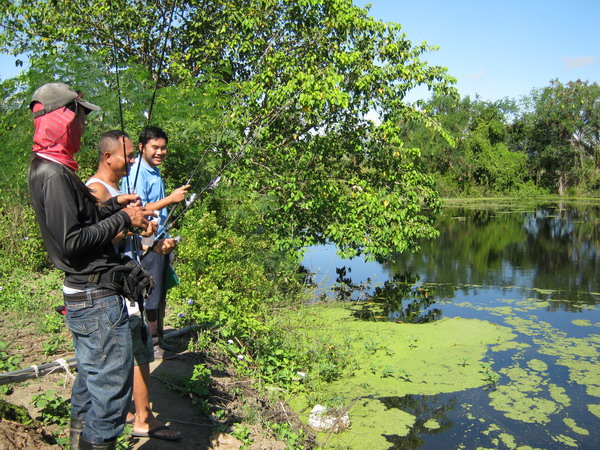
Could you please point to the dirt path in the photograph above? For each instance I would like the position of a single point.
(169, 404)
(174, 409)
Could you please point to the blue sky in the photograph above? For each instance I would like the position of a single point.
(495, 48)
(502, 48)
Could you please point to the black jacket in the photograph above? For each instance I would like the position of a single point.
(77, 232)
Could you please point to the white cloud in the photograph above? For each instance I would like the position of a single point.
(574, 62)
(477, 76)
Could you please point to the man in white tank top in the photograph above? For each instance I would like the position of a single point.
(115, 155)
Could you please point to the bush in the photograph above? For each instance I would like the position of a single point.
(21, 246)
(228, 267)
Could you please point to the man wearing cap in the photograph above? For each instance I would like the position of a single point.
(77, 233)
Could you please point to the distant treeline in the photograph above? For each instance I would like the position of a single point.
(547, 142)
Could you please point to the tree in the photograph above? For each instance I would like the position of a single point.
(563, 133)
(476, 155)
(297, 79)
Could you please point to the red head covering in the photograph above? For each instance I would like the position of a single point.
(57, 135)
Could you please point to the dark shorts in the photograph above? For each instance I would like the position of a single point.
(142, 353)
(157, 265)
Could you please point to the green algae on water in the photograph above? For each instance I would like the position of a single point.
(537, 365)
(573, 426)
(528, 396)
(396, 360)
(510, 345)
(371, 422)
(524, 396)
(565, 440)
(432, 424)
(558, 395)
(595, 410)
(582, 323)
(508, 440)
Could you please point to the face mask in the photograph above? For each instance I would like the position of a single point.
(57, 136)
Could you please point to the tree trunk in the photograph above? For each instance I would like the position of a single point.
(561, 184)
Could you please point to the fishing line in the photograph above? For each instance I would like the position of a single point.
(135, 248)
(215, 181)
(134, 242)
(235, 158)
(193, 196)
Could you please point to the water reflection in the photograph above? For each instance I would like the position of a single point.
(388, 302)
(549, 253)
(552, 249)
(432, 416)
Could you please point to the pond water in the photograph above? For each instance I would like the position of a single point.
(531, 268)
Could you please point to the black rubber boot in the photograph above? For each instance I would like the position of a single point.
(85, 445)
(160, 329)
(159, 353)
(75, 432)
(152, 325)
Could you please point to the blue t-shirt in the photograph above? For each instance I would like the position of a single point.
(149, 187)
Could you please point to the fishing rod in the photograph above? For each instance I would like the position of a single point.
(134, 243)
(214, 182)
(158, 72)
(193, 196)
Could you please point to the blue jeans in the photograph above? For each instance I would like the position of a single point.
(101, 393)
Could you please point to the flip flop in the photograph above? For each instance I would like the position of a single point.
(155, 433)
(130, 421)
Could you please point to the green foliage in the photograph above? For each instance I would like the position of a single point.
(21, 246)
(279, 364)
(230, 271)
(488, 375)
(53, 408)
(478, 158)
(285, 84)
(200, 382)
(8, 363)
(562, 135)
(196, 387)
(54, 345)
(242, 433)
(24, 291)
(294, 439)
(123, 442)
(52, 324)
(14, 413)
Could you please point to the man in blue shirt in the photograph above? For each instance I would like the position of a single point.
(151, 189)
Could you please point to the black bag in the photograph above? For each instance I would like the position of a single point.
(133, 282)
(130, 280)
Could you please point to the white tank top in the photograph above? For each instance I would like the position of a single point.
(132, 308)
(112, 190)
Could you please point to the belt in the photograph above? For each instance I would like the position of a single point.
(88, 295)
